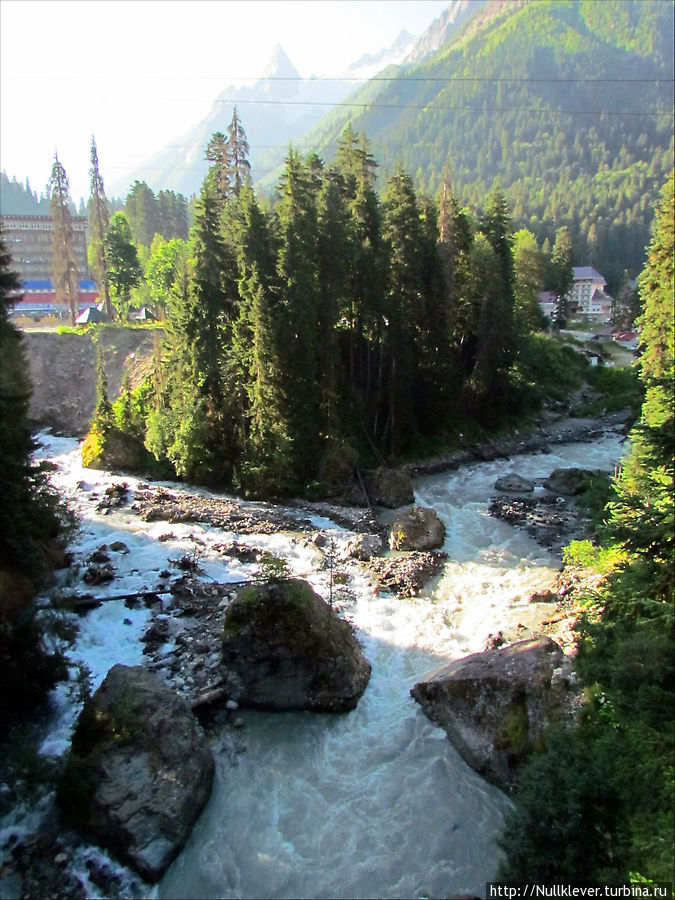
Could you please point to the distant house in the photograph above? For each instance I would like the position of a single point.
(627, 339)
(587, 296)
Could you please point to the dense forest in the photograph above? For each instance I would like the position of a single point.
(333, 328)
(568, 105)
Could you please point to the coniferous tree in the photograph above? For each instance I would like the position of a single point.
(529, 264)
(493, 297)
(236, 155)
(403, 234)
(99, 218)
(34, 524)
(217, 181)
(140, 208)
(124, 269)
(64, 266)
(643, 515)
(257, 355)
(296, 270)
(367, 283)
(561, 274)
(334, 249)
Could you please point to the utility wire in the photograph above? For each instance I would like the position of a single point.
(402, 77)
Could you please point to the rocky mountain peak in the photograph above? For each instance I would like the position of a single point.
(279, 65)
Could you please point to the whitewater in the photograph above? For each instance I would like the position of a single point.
(374, 803)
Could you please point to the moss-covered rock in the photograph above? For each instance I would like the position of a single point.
(285, 648)
(113, 450)
(418, 528)
(139, 770)
(494, 706)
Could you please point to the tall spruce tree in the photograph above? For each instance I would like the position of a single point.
(404, 237)
(643, 514)
(257, 355)
(217, 182)
(140, 208)
(123, 268)
(33, 522)
(99, 221)
(561, 274)
(64, 266)
(296, 270)
(236, 155)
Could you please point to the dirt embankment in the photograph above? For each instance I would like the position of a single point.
(63, 372)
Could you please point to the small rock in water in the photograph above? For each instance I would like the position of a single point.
(127, 621)
(232, 704)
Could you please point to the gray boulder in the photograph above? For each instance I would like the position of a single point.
(418, 528)
(514, 484)
(495, 705)
(285, 648)
(363, 547)
(569, 482)
(389, 487)
(139, 771)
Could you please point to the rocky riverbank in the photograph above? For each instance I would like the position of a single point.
(182, 639)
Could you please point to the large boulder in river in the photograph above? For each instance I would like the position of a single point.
(418, 528)
(389, 487)
(569, 482)
(139, 771)
(495, 705)
(363, 547)
(513, 483)
(285, 648)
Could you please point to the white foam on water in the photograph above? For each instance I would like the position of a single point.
(371, 803)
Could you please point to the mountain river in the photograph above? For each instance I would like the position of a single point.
(374, 803)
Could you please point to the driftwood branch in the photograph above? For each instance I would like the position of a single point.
(87, 601)
(210, 696)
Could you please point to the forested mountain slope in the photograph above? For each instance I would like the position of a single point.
(566, 103)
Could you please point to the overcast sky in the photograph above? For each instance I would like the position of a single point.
(139, 73)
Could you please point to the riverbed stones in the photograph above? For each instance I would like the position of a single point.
(569, 482)
(495, 705)
(406, 574)
(513, 483)
(363, 547)
(285, 648)
(139, 771)
(418, 528)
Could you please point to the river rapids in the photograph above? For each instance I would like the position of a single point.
(375, 803)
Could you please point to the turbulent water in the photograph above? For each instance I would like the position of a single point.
(371, 803)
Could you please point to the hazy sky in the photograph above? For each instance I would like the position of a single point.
(139, 73)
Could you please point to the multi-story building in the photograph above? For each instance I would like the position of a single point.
(29, 241)
(587, 296)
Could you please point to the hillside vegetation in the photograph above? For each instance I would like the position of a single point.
(568, 105)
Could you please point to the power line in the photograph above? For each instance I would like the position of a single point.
(454, 108)
(401, 78)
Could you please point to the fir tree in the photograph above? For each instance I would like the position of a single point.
(65, 273)
(561, 274)
(99, 218)
(34, 523)
(643, 514)
(296, 271)
(236, 155)
(124, 269)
